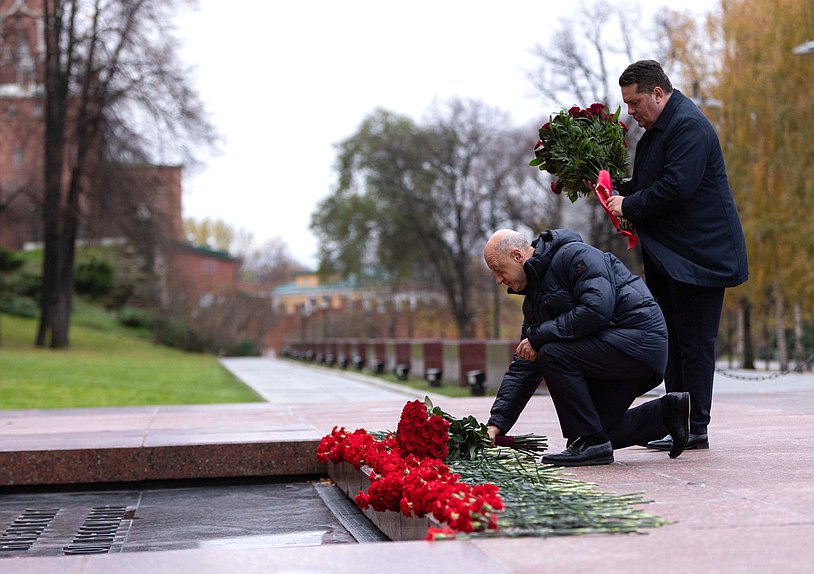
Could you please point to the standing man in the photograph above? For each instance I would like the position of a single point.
(597, 336)
(681, 205)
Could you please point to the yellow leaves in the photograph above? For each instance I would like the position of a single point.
(768, 94)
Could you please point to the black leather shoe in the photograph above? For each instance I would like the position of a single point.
(677, 421)
(580, 453)
(694, 442)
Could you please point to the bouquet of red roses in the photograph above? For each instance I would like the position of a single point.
(576, 144)
(424, 427)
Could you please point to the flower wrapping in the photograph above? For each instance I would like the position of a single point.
(604, 189)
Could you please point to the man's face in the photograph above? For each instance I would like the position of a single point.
(645, 108)
(508, 269)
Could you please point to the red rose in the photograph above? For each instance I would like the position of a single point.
(556, 187)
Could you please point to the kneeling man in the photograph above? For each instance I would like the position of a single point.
(593, 331)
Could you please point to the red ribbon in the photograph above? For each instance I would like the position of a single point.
(603, 191)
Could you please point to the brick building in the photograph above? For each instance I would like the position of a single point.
(139, 204)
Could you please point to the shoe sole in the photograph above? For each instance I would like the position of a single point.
(696, 446)
(685, 412)
(591, 462)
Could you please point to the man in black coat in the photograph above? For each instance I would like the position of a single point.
(681, 205)
(593, 331)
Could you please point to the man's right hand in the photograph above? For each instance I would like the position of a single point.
(493, 432)
(526, 351)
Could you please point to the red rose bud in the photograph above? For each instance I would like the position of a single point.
(597, 109)
(538, 148)
(624, 127)
(556, 187)
(574, 112)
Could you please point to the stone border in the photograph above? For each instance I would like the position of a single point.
(107, 465)
(394, 525)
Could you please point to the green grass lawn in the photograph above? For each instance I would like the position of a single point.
(106, 365)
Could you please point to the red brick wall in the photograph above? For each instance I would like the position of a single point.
(197, 272)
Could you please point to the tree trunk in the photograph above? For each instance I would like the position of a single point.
(745, 344)
(56, 90)
(780, 329)
(799, 350)
(731, 329)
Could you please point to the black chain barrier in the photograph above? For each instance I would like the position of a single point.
(799, 368)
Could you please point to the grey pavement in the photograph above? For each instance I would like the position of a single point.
(286, 382)
(281, 381)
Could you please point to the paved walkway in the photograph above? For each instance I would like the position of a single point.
(287, 382)
(745, 505)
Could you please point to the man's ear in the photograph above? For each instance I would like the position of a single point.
(517, 255)
(658, 94)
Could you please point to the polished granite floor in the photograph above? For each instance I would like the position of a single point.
(745, 505)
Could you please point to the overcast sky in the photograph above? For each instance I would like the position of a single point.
(285, 81)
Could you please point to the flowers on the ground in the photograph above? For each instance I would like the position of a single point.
(407, 469)
(472, 496)
(421, 434)
(576, 144)
(465, 438)
(413, 485)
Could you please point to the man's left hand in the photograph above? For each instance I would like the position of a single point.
(615, 205)
(526, 351)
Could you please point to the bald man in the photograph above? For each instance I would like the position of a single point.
(593, 331)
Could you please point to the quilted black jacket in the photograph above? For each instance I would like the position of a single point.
(576, 291)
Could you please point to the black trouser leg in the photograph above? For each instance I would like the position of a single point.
(693, 314)
(592, 386)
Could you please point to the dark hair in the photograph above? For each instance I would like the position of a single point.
(647, 74)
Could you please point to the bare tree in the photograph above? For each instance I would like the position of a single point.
(579, 66)
(271, 264)
(114, 90)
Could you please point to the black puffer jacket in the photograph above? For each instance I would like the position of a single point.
(576, 291)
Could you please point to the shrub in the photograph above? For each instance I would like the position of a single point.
(94, 278)
(137, 318)
(20, 306)
(174, 333)
(244, 348)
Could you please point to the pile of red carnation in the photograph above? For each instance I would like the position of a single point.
(424, 437)
(408, 474)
